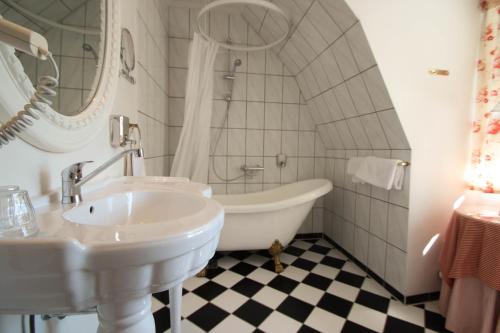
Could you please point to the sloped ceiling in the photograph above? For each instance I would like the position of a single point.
(336, 71)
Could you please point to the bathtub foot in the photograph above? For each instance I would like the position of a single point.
(202, 273)
(275, 250)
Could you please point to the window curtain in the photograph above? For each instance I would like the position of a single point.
(192, 154)
(485, 162)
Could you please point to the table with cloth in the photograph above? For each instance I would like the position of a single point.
(470, 268)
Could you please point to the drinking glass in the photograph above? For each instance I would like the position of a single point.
(17, 216)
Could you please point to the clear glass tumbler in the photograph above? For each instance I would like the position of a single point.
(17, 216)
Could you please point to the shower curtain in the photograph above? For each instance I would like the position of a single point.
(484, 173)
(192, 154)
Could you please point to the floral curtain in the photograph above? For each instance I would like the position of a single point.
(485, 162)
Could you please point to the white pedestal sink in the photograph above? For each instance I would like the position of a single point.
(131, 237)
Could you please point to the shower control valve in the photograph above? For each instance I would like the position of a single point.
(281, 160)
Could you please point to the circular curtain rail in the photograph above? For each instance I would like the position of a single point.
(261, 3)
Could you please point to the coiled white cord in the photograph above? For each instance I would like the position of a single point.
(45, 88)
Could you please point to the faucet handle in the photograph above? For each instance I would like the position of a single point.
(74, 171)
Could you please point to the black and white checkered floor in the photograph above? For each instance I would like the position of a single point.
(320, 290)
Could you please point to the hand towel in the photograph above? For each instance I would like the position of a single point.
(380, 172)
(138, 168)
(353, 165)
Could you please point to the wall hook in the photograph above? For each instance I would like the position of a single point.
(438, 71)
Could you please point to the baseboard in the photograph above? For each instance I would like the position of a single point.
(317, 235)
(412, 299)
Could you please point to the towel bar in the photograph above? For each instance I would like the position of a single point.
(247, 168)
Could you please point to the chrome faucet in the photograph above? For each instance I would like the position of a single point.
(72, 176)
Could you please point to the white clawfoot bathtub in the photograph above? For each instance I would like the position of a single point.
(254, 221)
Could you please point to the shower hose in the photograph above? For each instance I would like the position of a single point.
(228, 99)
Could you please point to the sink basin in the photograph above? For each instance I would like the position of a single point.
(139, 207)
(129, 238)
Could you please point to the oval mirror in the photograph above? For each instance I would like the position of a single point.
(83, 37)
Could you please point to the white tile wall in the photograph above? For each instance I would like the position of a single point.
(340, 13)
(374, 131)
(359, 95)
(360, 47)
(338, 76)
(345, 59)
(152, 85)
(377, 255)
(339, 79)
(397, 226)
(361, 245)
(379, 217)
(265, 117)
(395, 272)
(394, 132)
(323, 23)
(376, 88)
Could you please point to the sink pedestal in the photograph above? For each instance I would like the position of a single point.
(133, 316)
(175, 300)
(131, 237)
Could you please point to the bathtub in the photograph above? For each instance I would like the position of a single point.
(255, 221)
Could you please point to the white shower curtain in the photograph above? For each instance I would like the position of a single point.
(192, 154)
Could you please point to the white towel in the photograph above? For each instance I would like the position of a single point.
(353, 165)
(138, 168)
(381, 172)
(399, 177)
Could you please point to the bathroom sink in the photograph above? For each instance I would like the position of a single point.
(129, 238)
(139, 207)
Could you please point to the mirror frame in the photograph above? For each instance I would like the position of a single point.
(55, 132)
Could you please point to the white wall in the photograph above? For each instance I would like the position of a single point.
(408, 38)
